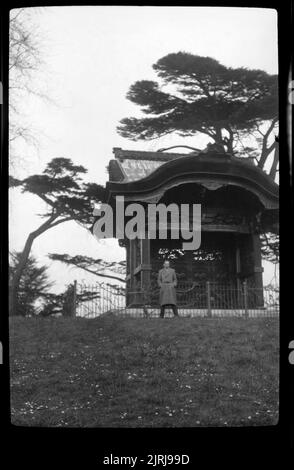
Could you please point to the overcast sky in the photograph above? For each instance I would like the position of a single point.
(91, 57)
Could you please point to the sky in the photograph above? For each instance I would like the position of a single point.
(91, 56)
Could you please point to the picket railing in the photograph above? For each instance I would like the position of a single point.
(99, 298)
(207, 299)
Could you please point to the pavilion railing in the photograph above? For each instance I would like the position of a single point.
(214, 299)
(206, 299)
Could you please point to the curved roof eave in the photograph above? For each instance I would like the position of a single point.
(211, 171)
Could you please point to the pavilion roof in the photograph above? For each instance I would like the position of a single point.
(133, 165)
(141, 175)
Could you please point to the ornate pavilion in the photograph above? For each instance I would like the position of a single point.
(238, 201)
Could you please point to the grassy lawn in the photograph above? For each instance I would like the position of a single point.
(119, 372)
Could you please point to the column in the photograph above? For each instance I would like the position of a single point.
(145, 263)
(257, 269)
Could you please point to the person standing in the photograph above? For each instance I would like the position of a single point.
(167, 281)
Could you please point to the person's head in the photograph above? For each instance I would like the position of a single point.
(166, 264)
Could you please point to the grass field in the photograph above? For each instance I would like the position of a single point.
(119, 372)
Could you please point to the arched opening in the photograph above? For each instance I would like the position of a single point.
(228, 253)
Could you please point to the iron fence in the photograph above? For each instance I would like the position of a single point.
(206, 299)
(99, 298)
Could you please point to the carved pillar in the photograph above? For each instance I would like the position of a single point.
(135, 272)
(131, 268)
(257, 269)
(132, 260)
(145, 263)
(238, 264)
(128, 271)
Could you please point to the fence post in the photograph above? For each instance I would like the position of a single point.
(208, 299)
(74, 299)
(245, 298)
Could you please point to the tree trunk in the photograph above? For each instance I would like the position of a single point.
(14, 286)
(265, 153)
(265, 149)
(219, 138)
(13, 291)
(273, 169)
(229, 143)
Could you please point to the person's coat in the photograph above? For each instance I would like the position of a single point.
(167, 281)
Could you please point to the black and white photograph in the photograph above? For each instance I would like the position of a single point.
(144, 217)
